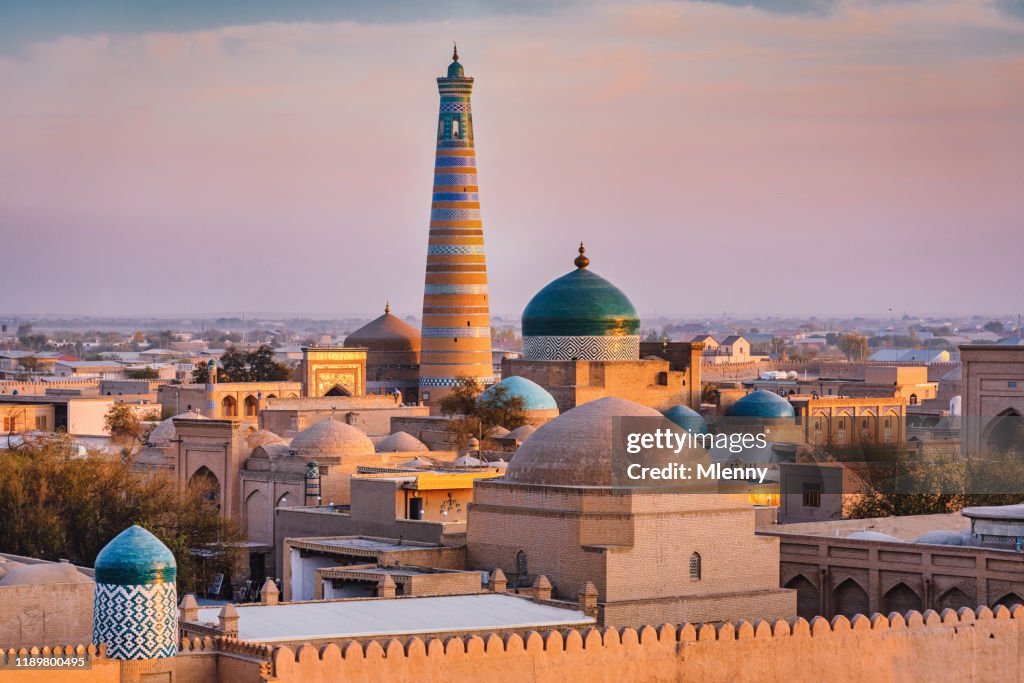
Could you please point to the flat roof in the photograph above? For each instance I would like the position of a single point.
(394, 617)
(369, 545)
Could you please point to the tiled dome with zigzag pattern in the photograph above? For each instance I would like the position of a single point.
(581, 316)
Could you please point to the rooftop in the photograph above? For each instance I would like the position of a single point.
(394, 617)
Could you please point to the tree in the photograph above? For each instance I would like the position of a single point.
(123, 424)
(263, 367)
(55, 505)
(234, 366)
(143, 373)
(476, 413)
(994, 326)
(853, 346)
(201, 373)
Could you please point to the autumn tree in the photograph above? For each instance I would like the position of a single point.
(124, 425)
(476, 413)
(56, 505)
(853, 346)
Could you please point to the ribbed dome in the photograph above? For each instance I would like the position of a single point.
(386, 333)
(687, 418)
(574, 449)
(135, 557)
(331, 438)
(762, 404)
(400, 442)
(165, 432)
(535, 397)
(580, 304)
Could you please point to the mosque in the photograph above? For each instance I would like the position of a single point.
(593, 565)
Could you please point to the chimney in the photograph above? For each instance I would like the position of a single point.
(227, 620)
(498, 581)
(386, 587)
(269, 594)
(189, 608)
(541, 589)
(588, 599)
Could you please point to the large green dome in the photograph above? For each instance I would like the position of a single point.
(580, 304)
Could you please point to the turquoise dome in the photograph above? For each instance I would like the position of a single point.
(580, 304)
(535, 397)
(455, 70)
(687, 418)
(135, 557)
(762, 404)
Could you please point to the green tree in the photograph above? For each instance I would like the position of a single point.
(201, 373)
(55, 504)
(994, 326)
(234, 366)
(143, 373)
(263, 367)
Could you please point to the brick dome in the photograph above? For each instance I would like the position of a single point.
(400, 442)
(331, 438)
(575, 449)
(386, 333)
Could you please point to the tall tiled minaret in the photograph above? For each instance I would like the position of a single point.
(456, 337)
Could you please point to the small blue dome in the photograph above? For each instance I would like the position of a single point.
(134, 558)
(535, 397)
(762, 404)
(455, 70)
(687, 418)
(135, 609)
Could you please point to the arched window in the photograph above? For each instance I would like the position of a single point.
(913, 399)
(695, 567)
(205, 482)
(521, 568)
(229, 407)
(251, 405)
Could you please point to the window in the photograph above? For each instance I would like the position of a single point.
(251, 406)
(455, 128)
(440, 129)
(521, 572)
(1011, 385)
(695, 567)
(812, 495)
(228, 407)
(7, 424)
(913, 399)
(41, 422)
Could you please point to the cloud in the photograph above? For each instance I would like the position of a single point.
(286, 164)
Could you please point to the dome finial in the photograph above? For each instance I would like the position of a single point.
(582, 261)
(387, 307)
(455, 52)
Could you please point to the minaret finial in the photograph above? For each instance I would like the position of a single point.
(581, 260)
(455, 52)
(387, 307)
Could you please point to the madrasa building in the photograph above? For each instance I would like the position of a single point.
(581, 342)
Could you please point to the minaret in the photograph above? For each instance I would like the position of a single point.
(456, 337)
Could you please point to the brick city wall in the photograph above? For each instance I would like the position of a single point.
(949, 647)
(980, 645)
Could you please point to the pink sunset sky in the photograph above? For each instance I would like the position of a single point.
(788, 158)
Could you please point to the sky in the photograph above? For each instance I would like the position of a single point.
(787, 157)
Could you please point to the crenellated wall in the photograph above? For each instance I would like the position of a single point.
(919, 646)
(967, 645)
